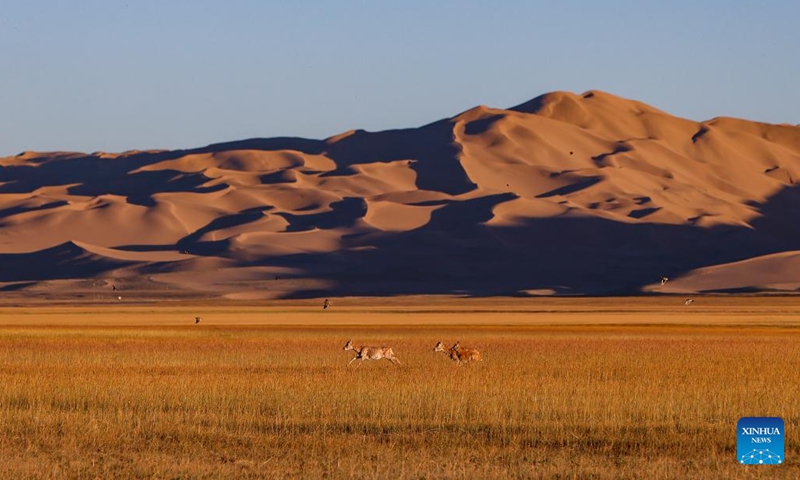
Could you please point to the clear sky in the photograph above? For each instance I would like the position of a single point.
(116, 75)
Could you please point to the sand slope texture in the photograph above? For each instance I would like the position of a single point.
(564, 194)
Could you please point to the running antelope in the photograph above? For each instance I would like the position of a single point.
(447, 351)
(370, 353)
(467, 354)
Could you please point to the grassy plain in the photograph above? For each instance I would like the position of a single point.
(569, 388)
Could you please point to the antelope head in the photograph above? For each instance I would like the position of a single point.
(439, 347)
(349, 345)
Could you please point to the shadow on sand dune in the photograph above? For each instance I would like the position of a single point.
(431, 149)
(63, 261)
(432, 146)
(455, 251)
(95, 175)
(456, 254)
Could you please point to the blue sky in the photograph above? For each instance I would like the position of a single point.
(110, 75)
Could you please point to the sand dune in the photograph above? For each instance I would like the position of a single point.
(566, 193)
(776, 272)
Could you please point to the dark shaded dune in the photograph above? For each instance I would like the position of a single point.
(581, 256)
(284, 176)
(697, 136)
(13, 287)
(140, 186)
(190, 241)
(432, 146)
(779, 223)
(30, 206)
(578, 185)
(66, 169)
(63, 261)
(643, 212)
(304, 145)
(477, 127)
(344, 213)
(456, 216)
(480, 261)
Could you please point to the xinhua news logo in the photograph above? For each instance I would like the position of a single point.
(760, 441)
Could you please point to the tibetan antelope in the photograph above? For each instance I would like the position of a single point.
(664, 281)
(370, 353)
(688, 301)
(467, 355)
(452, 354)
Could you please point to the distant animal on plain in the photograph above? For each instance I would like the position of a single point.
(370, 353)
(688, 301)
(114, 288)
(664, 281)
(197, 320)
(449, 351)
(466, 355)
(325, 304)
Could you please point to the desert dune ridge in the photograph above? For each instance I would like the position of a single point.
(566, 194)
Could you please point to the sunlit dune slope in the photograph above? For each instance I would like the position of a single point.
(566, 193)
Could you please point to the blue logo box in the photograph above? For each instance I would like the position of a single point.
(760, 441)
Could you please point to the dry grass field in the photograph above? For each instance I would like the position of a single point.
(568, 388)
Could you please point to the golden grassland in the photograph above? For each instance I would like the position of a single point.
(605, 388)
